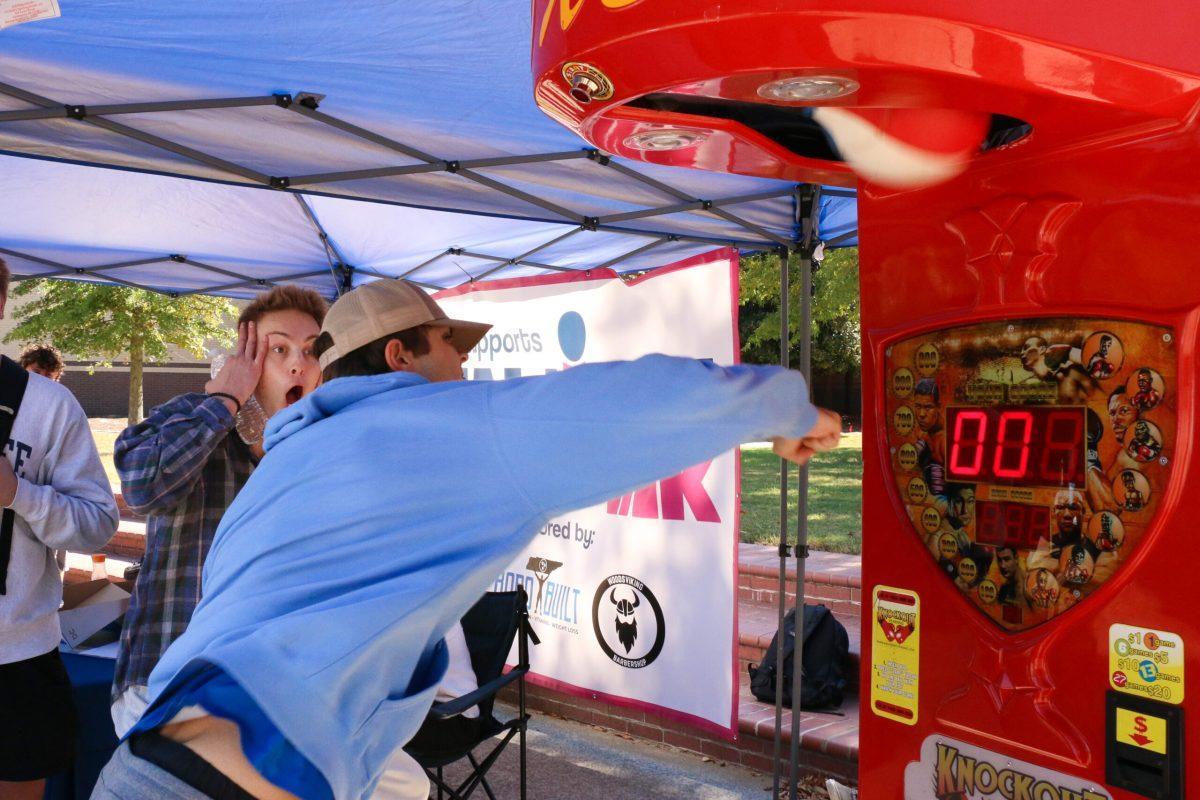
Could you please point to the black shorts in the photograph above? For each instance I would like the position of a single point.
(38, 724)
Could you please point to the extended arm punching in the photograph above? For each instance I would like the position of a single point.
(629, 423)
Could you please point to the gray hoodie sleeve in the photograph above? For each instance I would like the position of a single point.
(75, 509)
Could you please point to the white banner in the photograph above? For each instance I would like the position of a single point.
(635, 600)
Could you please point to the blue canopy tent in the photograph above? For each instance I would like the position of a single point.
(328, 146)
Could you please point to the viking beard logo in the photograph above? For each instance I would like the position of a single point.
(627, 633)
(625, 620)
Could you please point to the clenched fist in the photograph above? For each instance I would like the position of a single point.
(823, 437)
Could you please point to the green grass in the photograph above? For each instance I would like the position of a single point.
(834, 499)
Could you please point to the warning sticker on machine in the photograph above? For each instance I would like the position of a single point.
(895, 653)
(1146, 662)
(953, 769)
(16, 12)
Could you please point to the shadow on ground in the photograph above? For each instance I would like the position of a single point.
(579, 762)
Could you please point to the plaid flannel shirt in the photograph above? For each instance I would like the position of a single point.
(181, 468)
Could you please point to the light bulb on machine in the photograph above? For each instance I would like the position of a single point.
(665, 139)
(808, 88)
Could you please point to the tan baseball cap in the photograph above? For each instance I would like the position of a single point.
(385, 306)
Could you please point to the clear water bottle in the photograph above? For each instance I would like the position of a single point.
(251, 421)
(99, 568)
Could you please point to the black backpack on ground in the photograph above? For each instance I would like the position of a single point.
(823, 672)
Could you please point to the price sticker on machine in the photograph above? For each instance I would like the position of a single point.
(1146, 663)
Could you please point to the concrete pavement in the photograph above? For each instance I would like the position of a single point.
(581, 762)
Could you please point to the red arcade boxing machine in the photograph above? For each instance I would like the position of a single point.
(1029, 203)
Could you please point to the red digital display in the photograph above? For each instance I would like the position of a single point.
(1015, 525)
(1023, 445)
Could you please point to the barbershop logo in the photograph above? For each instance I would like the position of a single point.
(628, 621)
(951, 770)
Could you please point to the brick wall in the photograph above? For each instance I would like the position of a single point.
(105, 393)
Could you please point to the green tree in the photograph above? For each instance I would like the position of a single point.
(835, 316)
(107, 322)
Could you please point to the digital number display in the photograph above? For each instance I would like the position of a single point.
(1021, 445)
(1016, 525)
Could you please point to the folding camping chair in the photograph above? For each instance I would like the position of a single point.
(446, 736)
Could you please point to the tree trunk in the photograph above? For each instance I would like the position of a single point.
(136, 357)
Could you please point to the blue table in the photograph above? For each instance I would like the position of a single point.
(91, 681)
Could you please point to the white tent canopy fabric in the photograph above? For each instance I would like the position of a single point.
(426, 111)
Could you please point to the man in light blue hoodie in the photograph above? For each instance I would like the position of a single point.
(388, 501)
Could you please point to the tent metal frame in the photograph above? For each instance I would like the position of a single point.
(342, 274)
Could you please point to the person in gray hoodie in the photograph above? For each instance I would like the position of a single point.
(54, 487)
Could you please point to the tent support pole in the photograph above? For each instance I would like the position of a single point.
(450, 166)
(632, 253)
(750, 226)
(694, 205)
(684, 197)
(256, 282)
(741, 244)
(513, 261)
(181, 259)
(81, 111)
(810, 209)
(141, 136)
(439, 166)
(332, 254)
(784, 548)
(425, 264)
(550, 243)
